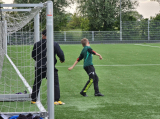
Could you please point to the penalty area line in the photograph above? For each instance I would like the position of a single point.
(147, 45)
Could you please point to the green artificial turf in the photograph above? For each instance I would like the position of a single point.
(129, 77)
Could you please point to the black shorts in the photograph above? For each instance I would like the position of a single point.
(90, 69)
(91, 72)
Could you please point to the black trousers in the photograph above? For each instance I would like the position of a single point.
(40, 73)
(93, 78)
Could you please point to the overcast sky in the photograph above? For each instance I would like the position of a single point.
(146, 7)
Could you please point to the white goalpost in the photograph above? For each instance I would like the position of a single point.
(19, 30)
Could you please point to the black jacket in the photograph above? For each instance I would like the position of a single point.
(39, 53)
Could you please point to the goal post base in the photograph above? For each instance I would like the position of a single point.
(15, 97)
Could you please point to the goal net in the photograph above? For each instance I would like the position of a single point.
(19, 30)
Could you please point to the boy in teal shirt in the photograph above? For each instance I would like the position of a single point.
(86, 54)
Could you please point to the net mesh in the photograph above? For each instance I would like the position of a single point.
(16, 23)
(16, 63)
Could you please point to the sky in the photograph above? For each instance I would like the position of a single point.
(146, 7)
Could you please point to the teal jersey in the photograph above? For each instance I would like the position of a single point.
(86, 54)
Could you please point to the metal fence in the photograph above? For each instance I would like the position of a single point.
(141, 30)
(132, 31)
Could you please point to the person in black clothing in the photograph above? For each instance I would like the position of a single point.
(39, 55)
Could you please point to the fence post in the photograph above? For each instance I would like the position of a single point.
(92, 35)
(148, 30)
(64, 35)
(120, 30)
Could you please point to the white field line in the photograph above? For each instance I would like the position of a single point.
(118, 65)
(39, 105)
(147, 45)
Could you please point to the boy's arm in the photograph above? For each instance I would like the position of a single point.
(78, 59)
(95, 53)
(70, 68)
(100, 57)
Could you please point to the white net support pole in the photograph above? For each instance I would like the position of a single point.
(50, 59)
(36, 36)
(5, 36)
(36, 28)
(3, 43)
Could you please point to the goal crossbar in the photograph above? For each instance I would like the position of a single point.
(16, 10)
(22, 5)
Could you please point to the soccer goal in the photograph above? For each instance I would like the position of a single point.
(19, 30)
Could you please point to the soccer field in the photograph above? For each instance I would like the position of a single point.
(129, 77)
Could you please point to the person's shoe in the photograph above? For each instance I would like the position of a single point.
(61, 103)
(83, 94)
(33, 102)
(98, 94)
(56, 103)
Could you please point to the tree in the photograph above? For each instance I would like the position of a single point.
(60, 17)
(75, 21)
(128, 16)
(84, 24)
(154, 27)
(103, 13)
(135, 14)
(157, 17)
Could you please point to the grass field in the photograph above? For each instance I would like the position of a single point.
(128, 77)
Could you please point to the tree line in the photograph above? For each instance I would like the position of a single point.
(92, 15)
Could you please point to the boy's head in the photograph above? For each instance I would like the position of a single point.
(44, 34)
(85, 42)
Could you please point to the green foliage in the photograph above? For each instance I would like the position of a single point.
(103, 13)
(155, 27)
(157, 17)
(128, 16)
(125, 18)
(75, 21)
(84, 24)
(135, 30)
(60, 17)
